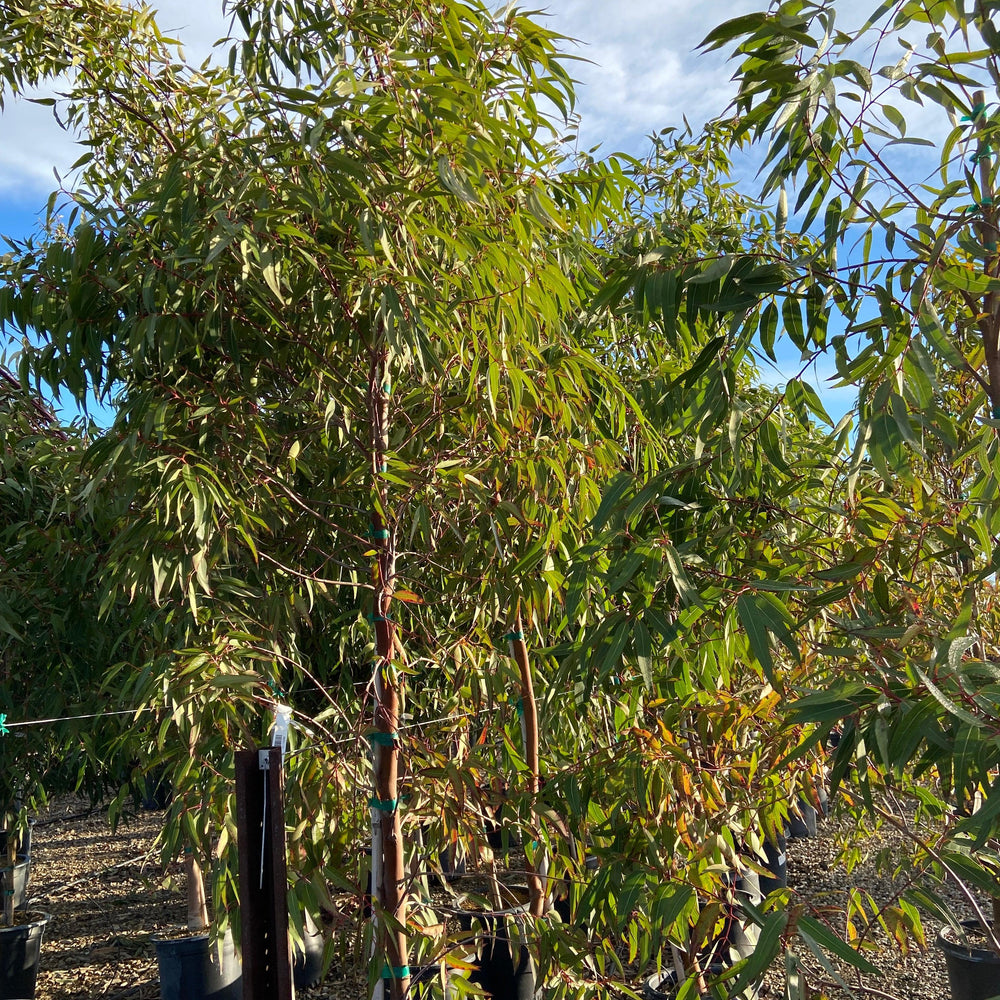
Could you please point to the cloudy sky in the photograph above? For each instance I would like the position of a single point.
(642, 75)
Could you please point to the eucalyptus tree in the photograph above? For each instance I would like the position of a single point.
(698, 560)
(55, 736)
(322, 286)
(881, 138)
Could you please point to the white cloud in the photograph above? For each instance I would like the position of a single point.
(33, 143)
(643, 75)
(644, 72)
(197, 24)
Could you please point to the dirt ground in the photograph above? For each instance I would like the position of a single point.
(107, 897)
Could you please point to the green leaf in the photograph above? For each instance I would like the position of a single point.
(757, 634)
(816, 935)
(897, 406)
(613, 495)
(943, 700)
(716, 269)
(685, 590)
(769, 943)
(845, 571)
(939, 340)
(791, 314)
(965, 279)
(895, 118)
(745, 24)
(768, 329)
(771, 445)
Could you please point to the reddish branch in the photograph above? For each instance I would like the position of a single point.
(391, 888)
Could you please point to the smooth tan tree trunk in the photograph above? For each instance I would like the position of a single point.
(197, 908)
(519, 650)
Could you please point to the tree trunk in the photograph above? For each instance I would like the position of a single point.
(389, 889)
(197, 909)
(519, 651)
(388, 863)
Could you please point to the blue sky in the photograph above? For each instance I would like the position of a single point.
(639, 72)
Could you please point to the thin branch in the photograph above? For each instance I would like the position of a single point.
(313, 577)
(969, 895)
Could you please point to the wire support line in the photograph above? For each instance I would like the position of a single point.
(74, 718)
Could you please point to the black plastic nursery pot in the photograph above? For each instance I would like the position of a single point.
(808, 809)
(499, 836)
(453, 863)
(20, 954)
(803, 819)
(776, 863)
(663, 986)
(23, 844)
(22, 866)
(191, 968)
(737, 938)
(503, 966)
(157, 792)
(822, 800)
(307, 958)
(973, 972)
(21, 873)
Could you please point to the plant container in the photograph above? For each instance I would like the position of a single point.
(22, 866)
(737, 938)
(307, 958)
(191, 968)
(776, 862)
(663, 986)
(157, 791)
(21, 872)
(453, 863)
(822, 800)
(20, 952)
(23, 844)
(973, 970)
(503, 966)
(802, 819)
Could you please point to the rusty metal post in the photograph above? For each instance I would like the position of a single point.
(263, 876)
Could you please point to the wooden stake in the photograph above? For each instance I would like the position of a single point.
(263, 875)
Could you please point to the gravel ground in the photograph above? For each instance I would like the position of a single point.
(816, 877)
(107, 896)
